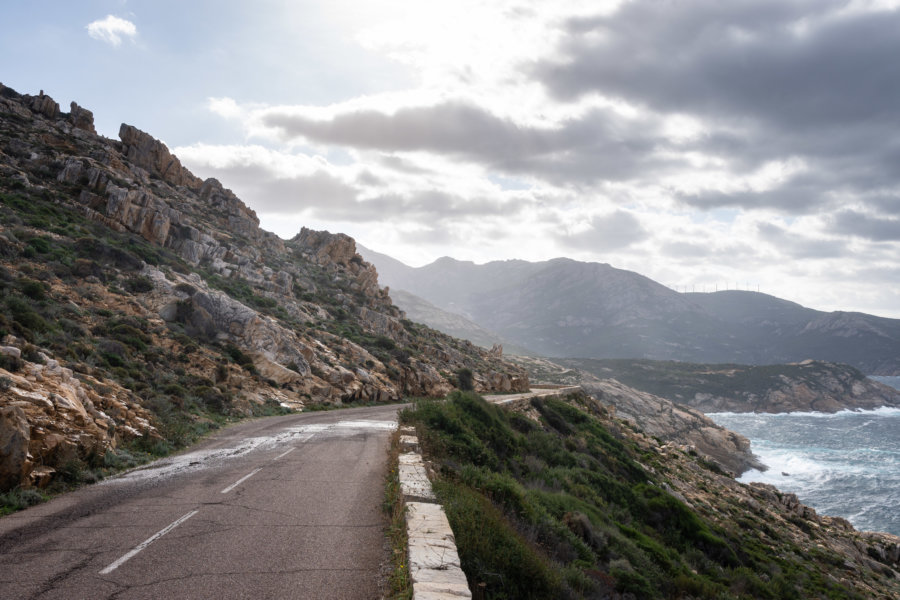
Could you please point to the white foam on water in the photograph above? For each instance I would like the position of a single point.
(883, 411)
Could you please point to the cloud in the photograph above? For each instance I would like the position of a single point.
(794, 63)
(800, 246)
(453, 127)
(284, 183)
(857, 224)
(111, 30)
(591, 147)
(605, 233)
(766, 80)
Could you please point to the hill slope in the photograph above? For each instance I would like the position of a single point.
(560, 500)
(142, 303)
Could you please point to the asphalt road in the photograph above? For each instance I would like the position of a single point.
(285, 507)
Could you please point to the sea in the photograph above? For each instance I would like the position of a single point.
(845, 464)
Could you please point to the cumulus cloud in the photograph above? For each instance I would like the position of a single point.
(285, 183)
(111, 30)
(857, 224)
(596, 145)
(766, 79)
(613, 231)
(794, 63)
(800, 246)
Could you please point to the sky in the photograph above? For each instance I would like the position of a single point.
(705, 144)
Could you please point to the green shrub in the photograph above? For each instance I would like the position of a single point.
(465, 380)
(19, 498)
(33, 289)
(492, 552)
(138, 284)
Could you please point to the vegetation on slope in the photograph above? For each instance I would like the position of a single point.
(142, 306)
(563, 502)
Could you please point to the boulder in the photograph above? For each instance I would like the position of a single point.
(15, 433)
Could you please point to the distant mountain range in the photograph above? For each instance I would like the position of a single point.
(566, 308)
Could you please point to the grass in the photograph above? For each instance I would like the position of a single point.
(399, 581)
(20, 498)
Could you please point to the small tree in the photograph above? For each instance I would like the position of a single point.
(465, 380)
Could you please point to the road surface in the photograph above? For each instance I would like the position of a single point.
(285, 507)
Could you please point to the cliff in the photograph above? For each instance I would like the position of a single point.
(143, 303)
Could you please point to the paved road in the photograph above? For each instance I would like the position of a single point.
(532, 393)
(286, 507)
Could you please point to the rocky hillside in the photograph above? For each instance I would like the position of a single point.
(143, 303)
(563, 500)
(659, 417)
(806, 386)
(566, 308)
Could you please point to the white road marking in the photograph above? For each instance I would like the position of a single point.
(241, 480)
(367, 424)
(285, 453)
(112, 567)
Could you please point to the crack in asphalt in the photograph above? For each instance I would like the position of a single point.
(51, 583)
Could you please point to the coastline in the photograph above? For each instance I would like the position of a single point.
(845, 464)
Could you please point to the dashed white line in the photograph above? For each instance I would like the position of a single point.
(241, 480)
(285, 453)
(112, 567)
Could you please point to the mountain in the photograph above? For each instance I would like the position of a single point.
(422, 311)
(142, 306)
(567, 308)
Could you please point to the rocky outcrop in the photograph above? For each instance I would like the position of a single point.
(676, 424)
(145, 151)
(81, 118)
(670, 422)
(44, 105)
(812, 386)
(15, 434)
(332, 250)
(806, 386)
(49, 418)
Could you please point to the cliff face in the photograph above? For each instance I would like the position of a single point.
(136, 291)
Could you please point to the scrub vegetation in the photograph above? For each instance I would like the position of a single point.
(561, 501)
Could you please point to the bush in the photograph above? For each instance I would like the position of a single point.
(33, 289)
(465, 380)
(138, 284)
(19, 498)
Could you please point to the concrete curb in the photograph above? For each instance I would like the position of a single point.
(433, 559)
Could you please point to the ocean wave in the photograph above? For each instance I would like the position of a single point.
(843, 464)
(882, 411)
